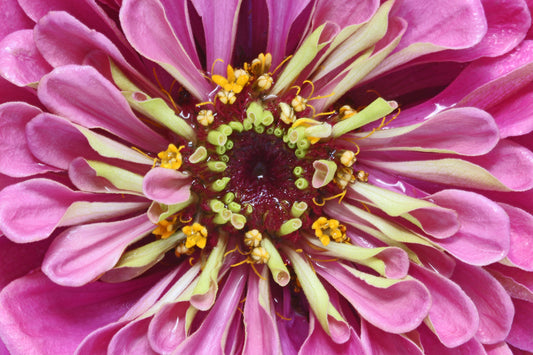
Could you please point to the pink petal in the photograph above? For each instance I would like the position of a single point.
(132, 339)
(167, 186)
(215, 325)
(498, 349)
(344, 13)
(452, 314)
(432, 346)
(434, 259)
(55, 141)
(146, 26)
(12, 18)
(219, 21)
(484, 234)
(494, 305)
(396, 309)
(19, 259)
(521, 237)
(81, 254)
(35, 308)
(13, 144)
(520, 335)
(319, 342)
(281, 15)
(20, 61)
(98, 341)
(376, 341)
(10, 92)
(518, 283)
(260, 320)
(32, 209)
(167, 328)
(85, 97)
(478, 135)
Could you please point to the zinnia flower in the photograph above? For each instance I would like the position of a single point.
(307, 176)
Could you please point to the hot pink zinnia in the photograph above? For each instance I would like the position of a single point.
(266, 177)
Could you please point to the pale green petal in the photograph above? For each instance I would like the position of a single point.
(121, 178)
(83, 211)
(275, 263)
(379, 108)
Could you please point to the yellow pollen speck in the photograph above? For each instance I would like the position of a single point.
(233, 84)
(362, 176)
(165, 228)
(253, 238)
(327, 229)
(259, 255)
(346, 112)
(348, 158)
(205, 117)
(171, 158)
(287, 113)
(344, 176)
(298, 103)
(196, 235)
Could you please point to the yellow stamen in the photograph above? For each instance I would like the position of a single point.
(327, 229)
(259, 255)
(171, 158)
(196, 235)
(165, 228)
(348, 158)
(344, 176)
(205, 117)
(253, 238)
(287, 113)
(298, 103)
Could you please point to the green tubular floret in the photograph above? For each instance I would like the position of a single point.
(217, 138)
(292, 225)
(220, 184)
(298, 171)
(225, 129)
(236, 126)
(301, 183)
(217, 166)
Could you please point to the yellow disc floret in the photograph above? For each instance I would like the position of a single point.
(348, 158)
(171, 158)
(327, 229)
(253, 238)
(259, 255)
(205, 117)
(196, 235)
(299, 103)
(165, 228)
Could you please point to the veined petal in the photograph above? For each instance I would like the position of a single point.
(13, 18)
(376, 341)
(81, 254)
(20, 61)
(84, 96)
(166, 186)
(132, 338)
(522, 325)
(521, 236)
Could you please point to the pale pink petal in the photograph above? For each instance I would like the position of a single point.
(12, 18)
(484, 234)
(219, 20)
(518, 283)
(16, 160)
(55, 141)
(167, 328)
(97, 342)
(260, 318)
(217, 321)
(435, 259)
(498, 349)
(478, 134)
(281, 15)
(41, 317)
(343, 13)
(81, 254)
(132, 339)
(319, 342)
(494, 305)
(32, 209)
(520, 335)
(167, 186)
(20, 61)
(146, 27)
(396, 309)
(84, 96)
(452, 314)
(19, 259)
(376, 341)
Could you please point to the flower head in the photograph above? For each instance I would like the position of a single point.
(350, 178)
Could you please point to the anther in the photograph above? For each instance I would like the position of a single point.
(361, 176)
(348, 158)
(171, 158)
(205, 117)
(259, 255)
(253, 238)
(196, 235)
(165, 228)
(287, 113)
(298, 103)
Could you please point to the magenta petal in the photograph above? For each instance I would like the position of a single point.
(85, 97)
(260, 320)
(167, 327)
(520, 335)
(19, 259)
(31, 210)
(498, 349)
(521, 237)
(484, 234)
(219, 20)
(281, 15)
(376, 341)
(40, 317)
(167, 186)
(81, 254)
(149, 32)
(98, 341)
(396, 309)
(432, 346)
(13, 144)
(217, 321)
(319, 342)
(20, 61)
(132, 339)
(452, 314)
(494, 305)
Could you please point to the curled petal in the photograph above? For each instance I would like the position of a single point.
(166, 186)
(521, 237)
